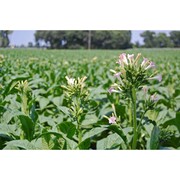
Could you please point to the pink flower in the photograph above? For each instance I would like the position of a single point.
(117, 74)
(151, 65)
(112, 90)
(131, 57)
(154, 98)
(158, 77)
(145, 89)
(123, 59)
(112, 120)
(145, 60)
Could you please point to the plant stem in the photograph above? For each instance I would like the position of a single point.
(79, 131)
(79, 135)
(134, 144)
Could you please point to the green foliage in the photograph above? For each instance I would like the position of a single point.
(41, 117)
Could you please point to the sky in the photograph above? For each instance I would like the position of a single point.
(24, 36)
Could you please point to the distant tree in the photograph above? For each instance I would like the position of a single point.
(85, 39)
(53, 39)
(111, 39)
(137, 44)
(175, 38)
(4, 39)
(76, 39)
(149, 37)
(30, 44)
(162, 40)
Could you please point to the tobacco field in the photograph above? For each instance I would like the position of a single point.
(79, 99)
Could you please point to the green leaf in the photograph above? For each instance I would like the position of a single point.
(27, 126)
(154, 139)
(22, 144)
(13, 83)
(112, 141)
(9, 114)
(64, 109)
(152, 114)
(33, 113)
(43, 102)
(93, 132)
(85, 144)
(67, 128)
(117, 130)
(89, 119)
(8, 129)
(175, 121)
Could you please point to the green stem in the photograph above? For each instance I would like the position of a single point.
(79, 131)
(79, 135)
(134, 144)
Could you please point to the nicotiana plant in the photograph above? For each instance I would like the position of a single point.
(133, 75)
(77, 97)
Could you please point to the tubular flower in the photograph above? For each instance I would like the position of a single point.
(117, 74)
(112, 90)
(145, 61)
(123, 59)
(130, 58)
(132, 73)
(158, 77)
(151, 65)
(154, 98)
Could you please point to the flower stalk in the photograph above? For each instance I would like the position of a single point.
(134, 143)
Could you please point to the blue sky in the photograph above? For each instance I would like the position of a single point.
(23, 37)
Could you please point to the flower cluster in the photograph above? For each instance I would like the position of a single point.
(23, 87)
(75, 88)
(76, 95)
(132, 73)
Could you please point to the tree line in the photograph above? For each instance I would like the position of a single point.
(75, 39)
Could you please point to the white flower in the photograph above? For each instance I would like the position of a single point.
(70, 81)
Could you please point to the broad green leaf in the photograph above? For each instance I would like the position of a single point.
(27, 126)
(90, 119)
(43, 102)
(85, 144)
(22, 144)
(115, 128)
(112, 141)
(8, 129)
(64, 109)
(67, 128)
(9, 114)
(175, 121)
(93, 132)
